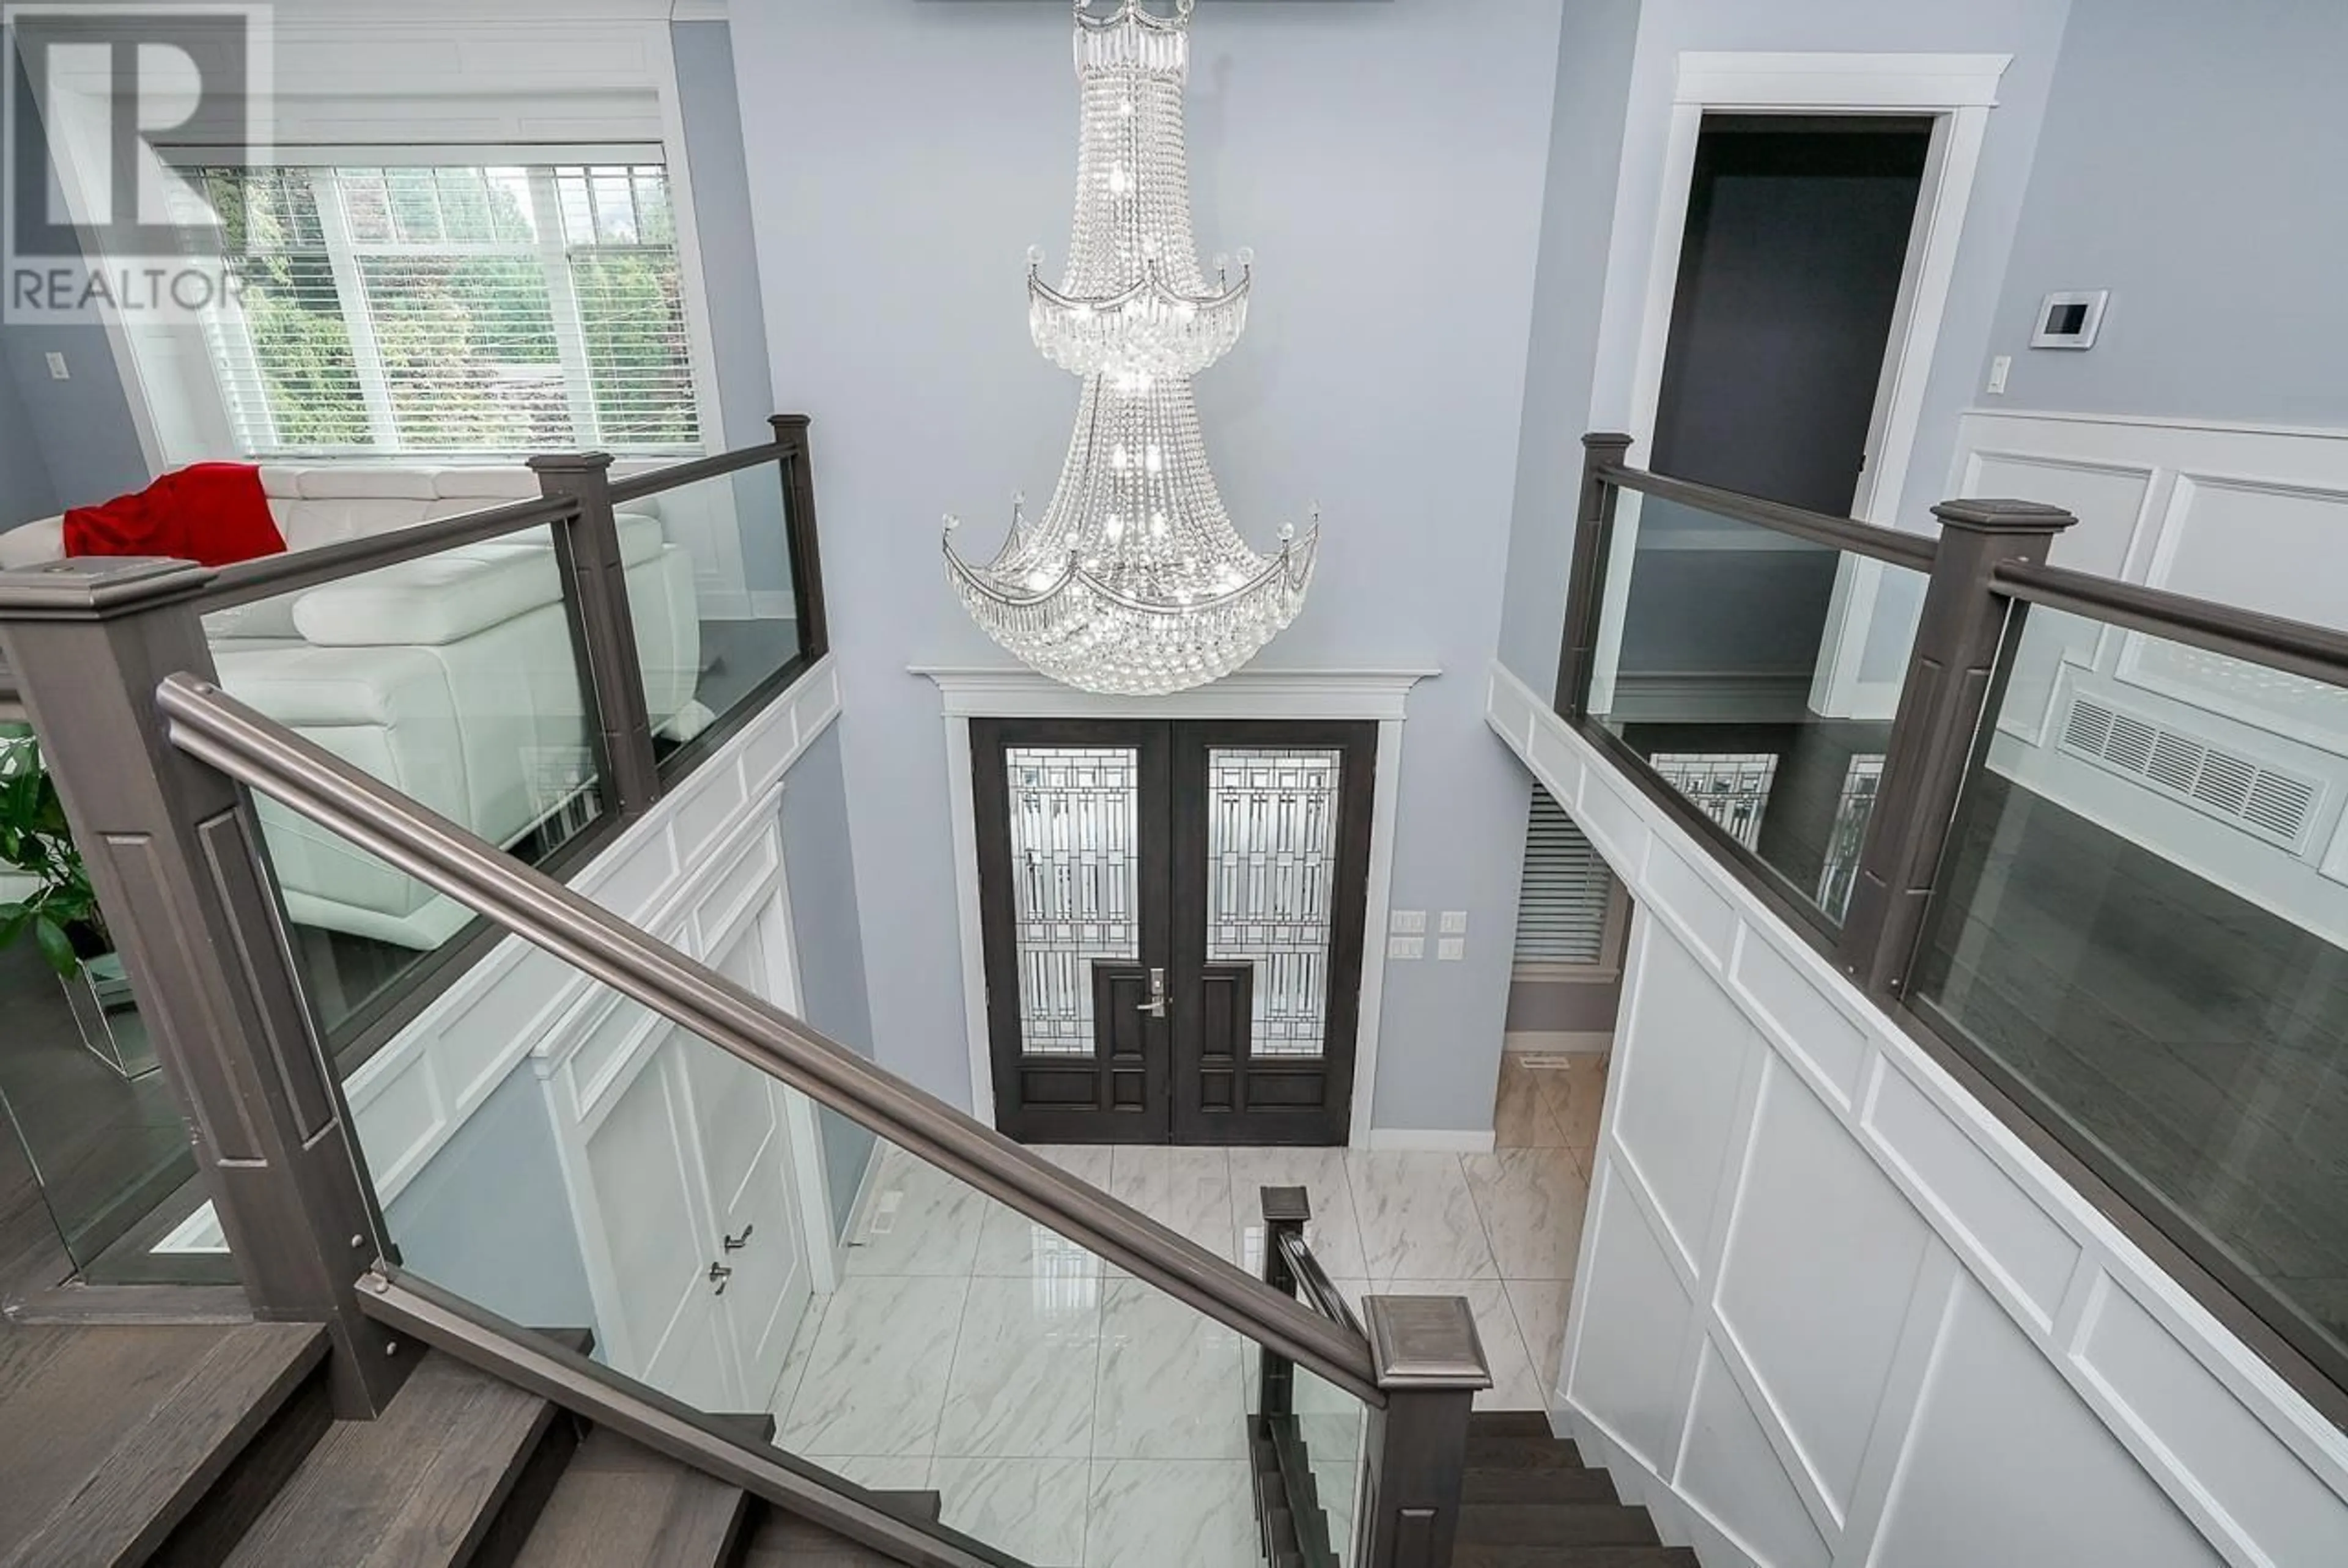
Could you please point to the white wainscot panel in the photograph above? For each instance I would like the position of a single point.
(2238, 541)
(1679, 1060)
(1728, 1470)
(1630, 1316)
(2006, 1465)
(2108, 499)
(1815, 1285)
(2257, 1490)
(1610, 820)
(400, 1120)
(1673, 885)
(2001, 1229)
(1810, 1027)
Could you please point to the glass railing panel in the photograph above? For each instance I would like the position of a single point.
(715, 610)
(1758, 674)
(576, 1160)
(2141, 926)
(452, 678)
(103, 1149)
(1331, 1426)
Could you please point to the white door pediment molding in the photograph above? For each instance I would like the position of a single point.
(1001, 693)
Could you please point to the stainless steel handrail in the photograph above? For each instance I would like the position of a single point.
(1314, 1281)
(215, 728)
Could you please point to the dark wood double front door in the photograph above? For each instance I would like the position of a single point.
(1172, 914)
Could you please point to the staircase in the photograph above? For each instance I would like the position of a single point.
(1529, 1503)
(196, 1446)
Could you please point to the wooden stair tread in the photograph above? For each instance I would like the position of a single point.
(785, 1541)
(113, 1433)
(1557, 1525)
(1510, 1484)
(1481, 1556)
(418, 1487)
(621, 1505)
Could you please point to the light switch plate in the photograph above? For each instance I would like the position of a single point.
(1454, 921)
(1405, 947)
(57, 371)
(1451, 949)
(1407, 922)
(1998, 369)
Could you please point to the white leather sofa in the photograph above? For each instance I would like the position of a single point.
(450, 678)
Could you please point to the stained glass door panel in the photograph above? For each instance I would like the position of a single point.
(1271, 860)
(1072, 884)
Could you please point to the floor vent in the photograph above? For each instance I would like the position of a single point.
(2258, 799)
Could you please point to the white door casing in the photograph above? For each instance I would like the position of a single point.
(1005, 693)
(1958, 91)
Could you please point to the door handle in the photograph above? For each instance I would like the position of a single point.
(1156, 1006)
(736, 1243)
(718, 1275)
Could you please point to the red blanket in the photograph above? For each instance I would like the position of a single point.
(212, 513)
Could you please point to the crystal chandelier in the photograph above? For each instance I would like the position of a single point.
(1134, 580)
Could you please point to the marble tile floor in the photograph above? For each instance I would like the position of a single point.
(1078, 1417)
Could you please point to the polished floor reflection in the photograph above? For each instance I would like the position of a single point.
(2192, 1037)
(1077, 1417)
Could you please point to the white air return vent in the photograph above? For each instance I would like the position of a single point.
(2226, 785)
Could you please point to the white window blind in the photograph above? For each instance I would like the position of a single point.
(451, 309)
(1561, 911)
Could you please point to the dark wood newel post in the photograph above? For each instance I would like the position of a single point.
(174, 854)
(603, 628)
(807, 561)
(1958, 634)
(1585, 583)
(1430, 1363)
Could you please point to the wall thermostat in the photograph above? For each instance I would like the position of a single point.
(2069, 319)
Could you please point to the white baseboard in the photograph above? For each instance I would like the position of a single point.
(858, 1215)
(1430, 1141)
(1577, 1042)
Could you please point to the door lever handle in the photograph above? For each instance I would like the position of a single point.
(736, 1243)
(1156, 1006)
(718, 1275)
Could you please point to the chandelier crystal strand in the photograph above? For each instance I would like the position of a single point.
(1134, 579)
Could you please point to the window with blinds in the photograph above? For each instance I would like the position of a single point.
(1561, 911)
(451, 309)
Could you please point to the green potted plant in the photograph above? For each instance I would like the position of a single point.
(51, 900)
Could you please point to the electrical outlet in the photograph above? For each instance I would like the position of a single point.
(1409, 922)
(1454, 921)
(1451, 949)
(1998, 368)
(57, 371)
(1405, 947)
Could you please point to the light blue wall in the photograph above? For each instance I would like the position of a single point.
(25, 492)
(704, 51)
(487, 1217)
(81, 427)
(1387, 162)
(1585, 148)
(830, 941)
(2193, 164)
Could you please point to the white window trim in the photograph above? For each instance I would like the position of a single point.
(600, 64)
